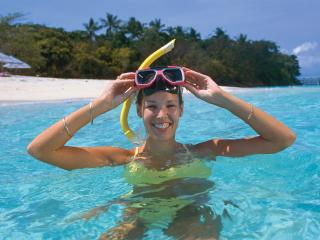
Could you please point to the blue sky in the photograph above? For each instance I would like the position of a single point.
(292, 24)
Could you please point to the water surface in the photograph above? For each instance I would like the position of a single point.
(274, 196)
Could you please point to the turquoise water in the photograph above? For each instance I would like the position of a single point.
(278, 195)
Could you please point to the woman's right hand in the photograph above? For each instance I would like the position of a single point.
(118, 91)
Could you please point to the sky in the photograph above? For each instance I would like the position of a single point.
(292, 24)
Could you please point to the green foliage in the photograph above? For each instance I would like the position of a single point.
(123, 45)
(56, 48)
(19, 41)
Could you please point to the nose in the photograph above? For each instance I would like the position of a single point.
(163, 112)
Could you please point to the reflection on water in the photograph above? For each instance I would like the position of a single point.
(178, 207)
(171, 196)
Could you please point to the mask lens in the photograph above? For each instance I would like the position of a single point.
(145, 76)
(161, 85)
(173, 74)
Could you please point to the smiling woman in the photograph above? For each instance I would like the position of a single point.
(169, 179)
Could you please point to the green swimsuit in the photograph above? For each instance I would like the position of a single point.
(155, 207)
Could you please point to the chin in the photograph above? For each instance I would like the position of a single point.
(163, 138)
(161, 134)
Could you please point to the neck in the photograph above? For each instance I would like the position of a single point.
(158, 148)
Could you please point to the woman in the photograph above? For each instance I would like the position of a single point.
(160, 106)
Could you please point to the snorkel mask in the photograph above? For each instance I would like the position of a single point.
(168, 79)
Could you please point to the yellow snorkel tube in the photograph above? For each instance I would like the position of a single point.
(127, 104)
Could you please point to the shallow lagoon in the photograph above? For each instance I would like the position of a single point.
(277, 195)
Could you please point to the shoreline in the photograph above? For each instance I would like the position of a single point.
(25, 89)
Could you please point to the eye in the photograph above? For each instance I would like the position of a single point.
(151, 106)
(171, 106)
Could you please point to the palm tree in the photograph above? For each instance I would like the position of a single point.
(112, 23)
(91, 28)
(242, 39)
(134, 28)
(220, 33)
(11, 18)
(157, 25)
(193, 34)
(180, 32)
(176, 32)
(171, 31)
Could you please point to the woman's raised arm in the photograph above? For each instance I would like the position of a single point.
(49, 146)
(273, 135)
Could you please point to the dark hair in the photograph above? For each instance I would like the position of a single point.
(141, 94)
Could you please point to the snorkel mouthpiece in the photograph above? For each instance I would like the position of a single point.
(169, 46)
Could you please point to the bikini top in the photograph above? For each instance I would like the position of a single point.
(139, 175)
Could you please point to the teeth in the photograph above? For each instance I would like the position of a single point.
(162, 125)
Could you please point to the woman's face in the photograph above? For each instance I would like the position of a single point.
(160, 113)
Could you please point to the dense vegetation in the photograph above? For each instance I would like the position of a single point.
(121, 46)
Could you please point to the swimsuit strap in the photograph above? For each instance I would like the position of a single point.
(187, 149)
(136, 152)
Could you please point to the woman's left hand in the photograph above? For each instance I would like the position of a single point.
(203, 87)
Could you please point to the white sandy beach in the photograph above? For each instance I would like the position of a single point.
(23, 88)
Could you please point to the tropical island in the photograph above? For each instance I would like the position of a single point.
(110, 46)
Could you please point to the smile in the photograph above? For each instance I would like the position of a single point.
(162, 125)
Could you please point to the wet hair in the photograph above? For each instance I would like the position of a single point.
(160, 85)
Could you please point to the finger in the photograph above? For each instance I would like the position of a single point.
(193, 78)
(191, 88)
(124, 82)
(199, 84)
(122, 86)
(123, 97)
(196, 75)
(129, 75)
(185, 69)
(129, 92)
(193, 84)
(189, 76)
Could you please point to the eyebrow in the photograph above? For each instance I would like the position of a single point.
(151, 101)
